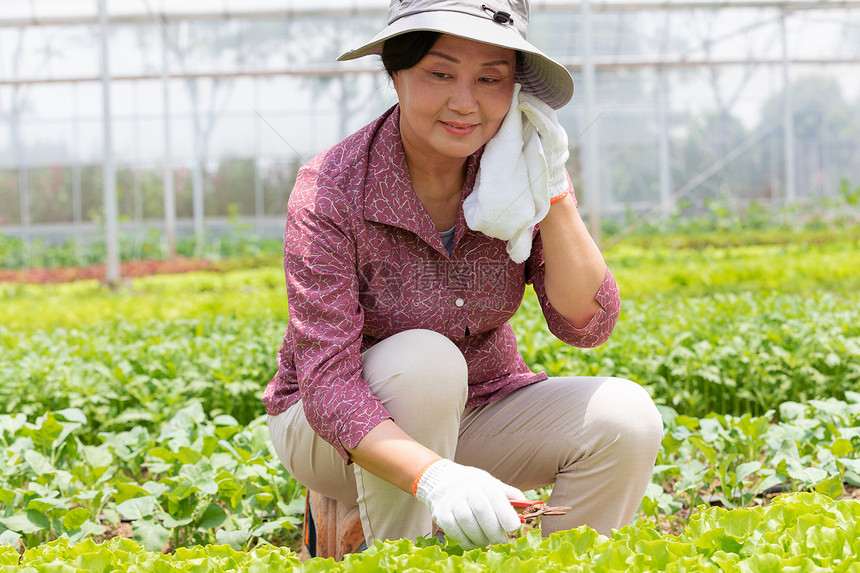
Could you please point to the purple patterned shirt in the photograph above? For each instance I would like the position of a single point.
(363, 261)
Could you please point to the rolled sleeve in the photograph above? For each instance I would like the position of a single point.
(601, 325)
(326, 319)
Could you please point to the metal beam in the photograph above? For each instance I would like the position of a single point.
(573, 64)
(356, 12)
(705, 5)
(168, 17)
(322, 71)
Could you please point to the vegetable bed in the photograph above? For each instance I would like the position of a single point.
(134, 436)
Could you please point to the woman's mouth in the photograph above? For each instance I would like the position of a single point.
(458, 128)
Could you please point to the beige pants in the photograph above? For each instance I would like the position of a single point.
(595, 439)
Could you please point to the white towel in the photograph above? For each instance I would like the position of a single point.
(521, 169)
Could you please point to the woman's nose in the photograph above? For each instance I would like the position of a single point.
(463, 98)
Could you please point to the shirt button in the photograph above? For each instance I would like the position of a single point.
(459, 302)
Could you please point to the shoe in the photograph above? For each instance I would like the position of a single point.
(331, 528)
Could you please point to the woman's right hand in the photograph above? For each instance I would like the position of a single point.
(469, 504)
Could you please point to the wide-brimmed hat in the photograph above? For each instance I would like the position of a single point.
(498, 22)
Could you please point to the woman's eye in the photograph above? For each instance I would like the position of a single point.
(489, 80)
(441, 75)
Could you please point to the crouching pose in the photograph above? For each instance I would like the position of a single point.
(408, 249)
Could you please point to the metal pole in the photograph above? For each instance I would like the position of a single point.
(197, 162)
(592, 165)
(108, 170)
(197, 190)
(197, 176)
(137, 207)
(77, 209)
(665, 171)
(259, 190)
(787, 119)
(169, 192)
(773, 167)
(24, 200)
(23, 175)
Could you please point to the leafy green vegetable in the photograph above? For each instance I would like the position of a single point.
(725, 353)
(797, 532)
(204, 479)
(198, 480)
(148, 410)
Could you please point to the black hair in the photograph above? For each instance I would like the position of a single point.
(404, 51)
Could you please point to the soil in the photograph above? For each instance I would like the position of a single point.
(114, 530)
(129, 269)
(676, 523)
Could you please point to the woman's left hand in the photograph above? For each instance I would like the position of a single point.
(469, 504)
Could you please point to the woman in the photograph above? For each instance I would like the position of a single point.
(400, 387)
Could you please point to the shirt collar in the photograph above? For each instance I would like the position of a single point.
(388, 194)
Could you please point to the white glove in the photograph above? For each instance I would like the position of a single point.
(469, 504)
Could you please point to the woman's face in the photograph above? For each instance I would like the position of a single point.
(454, 99)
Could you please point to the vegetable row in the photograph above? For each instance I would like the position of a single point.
(727, 353)
(800, 532)
(209, 479)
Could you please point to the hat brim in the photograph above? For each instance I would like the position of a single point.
(540, 75)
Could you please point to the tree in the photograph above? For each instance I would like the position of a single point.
(717, 139)
(827, 129)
